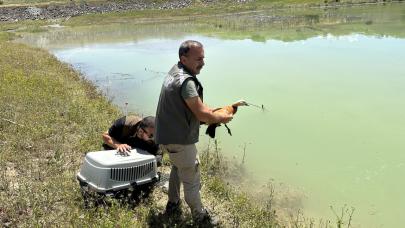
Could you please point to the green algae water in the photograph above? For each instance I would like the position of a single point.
(332, 82)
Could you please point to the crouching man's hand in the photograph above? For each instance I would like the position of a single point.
(124, 148)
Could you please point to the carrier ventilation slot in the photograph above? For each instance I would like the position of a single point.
(131, 173)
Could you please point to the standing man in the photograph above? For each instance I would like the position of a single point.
(179, 113)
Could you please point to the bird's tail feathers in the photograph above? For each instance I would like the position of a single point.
(211, 130)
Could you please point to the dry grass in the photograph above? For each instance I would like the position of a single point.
(49, 117)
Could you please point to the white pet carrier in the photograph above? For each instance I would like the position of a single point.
(109, 171)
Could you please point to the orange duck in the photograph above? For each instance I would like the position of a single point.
(230, 109)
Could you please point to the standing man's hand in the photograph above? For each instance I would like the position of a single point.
(206, 114)
(225, 117)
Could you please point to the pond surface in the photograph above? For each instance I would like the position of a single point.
(332, 81)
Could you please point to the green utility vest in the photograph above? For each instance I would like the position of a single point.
(175, 123)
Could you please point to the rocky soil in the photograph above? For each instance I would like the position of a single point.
(52, 11)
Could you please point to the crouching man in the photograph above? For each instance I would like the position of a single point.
(130, 132)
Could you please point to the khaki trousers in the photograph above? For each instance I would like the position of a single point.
(186, 170)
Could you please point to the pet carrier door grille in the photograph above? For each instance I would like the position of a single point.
(131, 173)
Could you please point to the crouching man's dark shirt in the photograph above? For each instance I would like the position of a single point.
(124, 131)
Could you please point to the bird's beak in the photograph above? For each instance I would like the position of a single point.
(241, 103)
